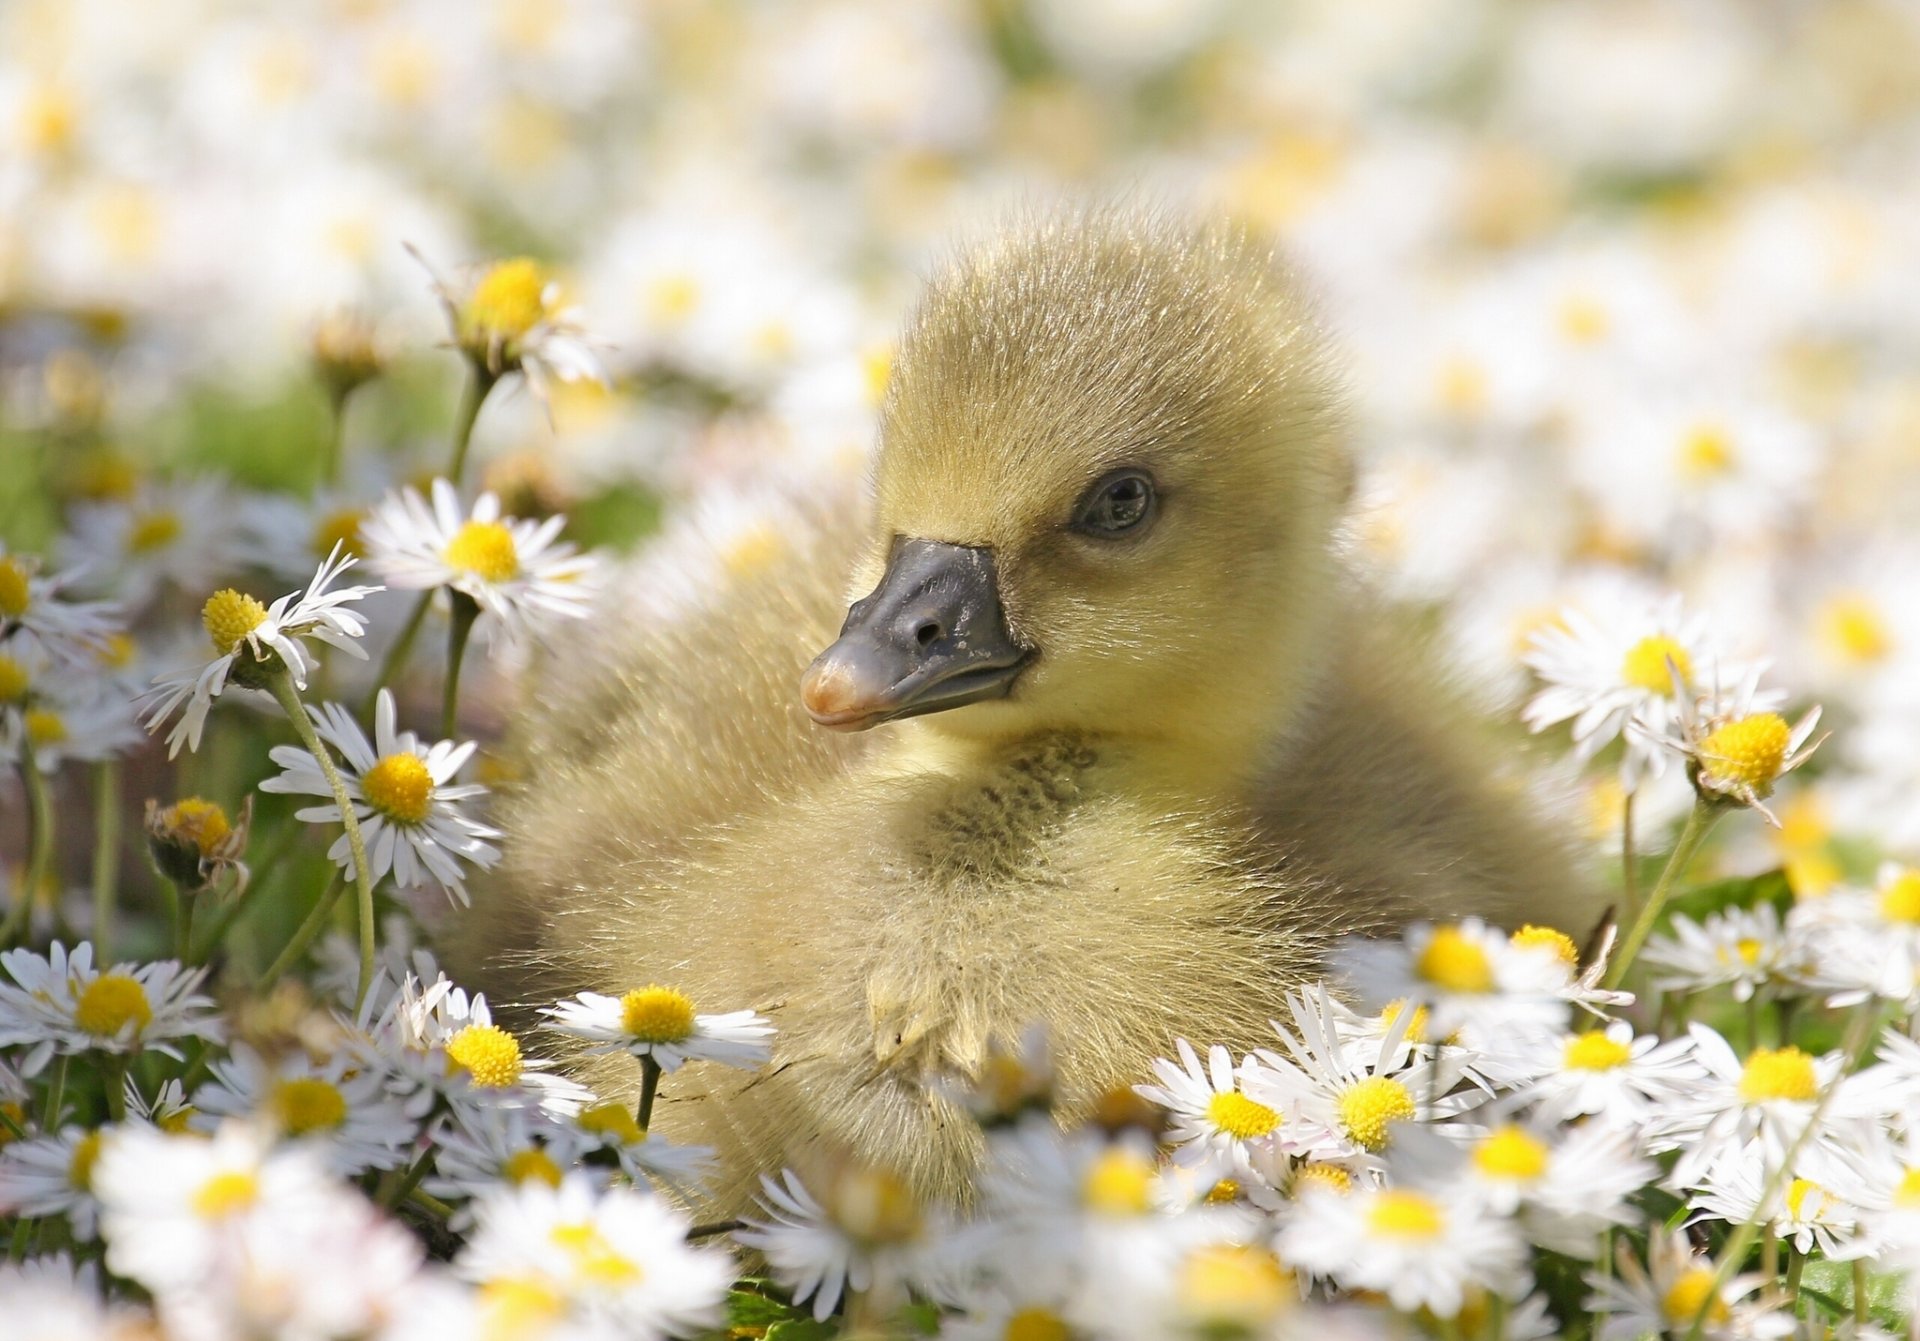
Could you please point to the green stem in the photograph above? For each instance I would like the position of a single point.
(259, 879)
(405, 1187)
(14, 1129)
(281, 681)
(1700, 820)
(1859, 1291)
(117, 1088)
(19, 924)
(106, 855)
(475, 395)
(465, 611)
(336, 433)
(431, 1204)
(397, 654)
(316, 919)
(649, 1086)
(1629, 860)
(1796, 1263)
(170, 897)
(50, 1115)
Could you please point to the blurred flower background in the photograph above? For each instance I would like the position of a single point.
(1628, 290)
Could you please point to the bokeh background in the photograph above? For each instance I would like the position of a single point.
(1629, 289)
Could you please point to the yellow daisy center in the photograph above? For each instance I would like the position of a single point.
(1797, 1193)
(1855, 630)
(14, 592)
(177, 1122)
(1706, 452)
(1530, 937)
(1035, 1324)
(485, 549)
(1685, 1296)
(14, 681)
(875, 1207)
(518, 1306)
(225, 1193)
(1455, 961)
(657, 1014)
(116, 651)
(1235, 1283)
(1329, 1176)
(229, 616)
(1223, 1193)
(1368, 1110)
(672, 298)
(196, 821)
(45, 726)
(1240, 1117)
(531, 1165)
(611, 1119)
(1512, 1154)
(488, 1054)
(86, 1153)
(1595, 1051)
(340, 528)
(595, 1259)
(1750, 751)
(154, 531)
(399, 787)
(1406, 1215)
(1416, 1027)
(1900, 899)
(509, 300)
(1906, 1194)
(1645, 665)
(1747, 950)
(1778, 1073)
(1584, 319)
(306, 1104)
(111, 1002)
(1119, 1182)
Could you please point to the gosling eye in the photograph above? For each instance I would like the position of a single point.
(1119, 502)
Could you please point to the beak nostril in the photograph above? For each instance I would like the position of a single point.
(927, 633)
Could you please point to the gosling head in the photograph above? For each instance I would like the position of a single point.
(1110, 464)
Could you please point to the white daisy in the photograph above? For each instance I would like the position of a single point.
(1737, 748)
(1475, 981)
(478, 1149)
(612, 1129)
(614, 1258)
(1768, 1096)
(48, 1300)
(408, 806)
(184, 535)
(246, 634)
(74, 720)
(32, 604)
(659, 1022)
(1741, 948)
(1617, 664)
(866, 1242)
(511, 318)
(169, 1110)
(1665, 1301)
(1211, 1113)
(1420, 1249)
(1862, 943)
(341, 1109)
(1620, 1080)
(52, 1176)
(61, 1004)
(1803, 1212)
(513, 570)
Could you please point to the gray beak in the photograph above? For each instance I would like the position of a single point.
(931, 636)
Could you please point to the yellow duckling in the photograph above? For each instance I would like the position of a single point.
(1148, 749)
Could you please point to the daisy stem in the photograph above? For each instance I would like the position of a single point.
(106, 853)
(170, 896)
(1700, 820)
(117, 1088)
(1859, 1291)
(397, 654)
(649, 1086)
(1796, 1263)
(257, 882)
(337, 397)
(1859, 1033)
(316, 918)
(1770, 1253)
(50, 1115)
(707, 1231)
(403, 1188)
(281, 681)
(465, 611)
(1629, 859)
(20, 916)
(471, 400)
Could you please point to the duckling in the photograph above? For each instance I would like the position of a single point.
(1108, 738)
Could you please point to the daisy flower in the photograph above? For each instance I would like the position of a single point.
(1636, 1302)
(659, 1023)
(864, 1238)
(341, 1109)
(1624, 661)
(614, 1258)
(169, 1110)
(52, 1176)
(1621, 1080)
(511, 318)
(1211, 1113)
(1420, 1249)
(1737, 749)
(479, 1149)
(1802, 1212)
(643, 1156)
(1740, 948)
(73, 632)
(513, 570)
(61, 1004)
(185, 535)
(245, 634)
(1768, 1096)
(1862, 943)
(404, 796)
(1474, 981)
(48, 1300)
(74, 721)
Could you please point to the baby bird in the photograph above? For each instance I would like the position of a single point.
(1143, 747)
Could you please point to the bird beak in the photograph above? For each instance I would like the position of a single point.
(931, 636)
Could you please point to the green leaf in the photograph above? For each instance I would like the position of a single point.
(802, 1329)
(1832, 1282)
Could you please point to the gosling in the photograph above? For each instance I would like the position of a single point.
(1144, 747)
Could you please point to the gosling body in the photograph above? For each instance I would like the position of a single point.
(1143, 750)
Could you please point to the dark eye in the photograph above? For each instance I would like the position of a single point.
(1117, 503)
